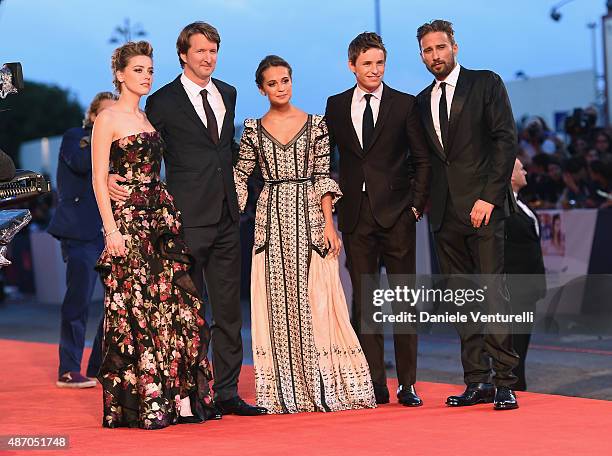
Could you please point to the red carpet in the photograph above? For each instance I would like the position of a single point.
(544, 425)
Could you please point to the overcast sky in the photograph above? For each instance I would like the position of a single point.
(66, 42)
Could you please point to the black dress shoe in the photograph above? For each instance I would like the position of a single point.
(192, 419)
(407, 395)
(211, 412)
(236, 406)
(475, 393)
(381, 394)
(504, 399)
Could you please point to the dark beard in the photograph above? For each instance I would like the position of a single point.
(444, 72)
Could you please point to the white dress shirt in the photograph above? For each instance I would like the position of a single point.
(214, 99)
(358, 105)
(436, 93)
(529, 212)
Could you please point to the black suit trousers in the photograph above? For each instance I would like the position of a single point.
(216, 250)
(366, 247)
(463, 249)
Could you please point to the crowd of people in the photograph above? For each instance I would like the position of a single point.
(571, 173)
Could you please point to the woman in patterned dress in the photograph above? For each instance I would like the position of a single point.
(151, 373)
(306, 354)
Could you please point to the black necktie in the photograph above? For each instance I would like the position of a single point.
(443, 116)
(211, 120)
(367, 126)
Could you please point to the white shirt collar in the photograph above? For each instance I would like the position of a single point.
(359, 92)
(452, 77)
(520, 203)
(194, 89)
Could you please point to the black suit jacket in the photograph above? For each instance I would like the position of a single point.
(198, 172)
(478, 162)
(395, 167)
(523, 256)
(77, 216)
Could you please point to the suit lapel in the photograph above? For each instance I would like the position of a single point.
(187, 107)
(229, 109)
(514, 207)
(346, 110)
(428, 123)
(527, 218)
(464, 84)
(383, 112)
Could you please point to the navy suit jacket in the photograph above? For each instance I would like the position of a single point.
(77, 216)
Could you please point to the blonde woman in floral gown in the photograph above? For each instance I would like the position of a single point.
(153, 373)
(306, 354)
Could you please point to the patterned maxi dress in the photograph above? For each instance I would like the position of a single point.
(306, 354)
(154, 350)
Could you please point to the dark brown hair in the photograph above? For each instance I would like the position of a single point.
(123, 54)
(438, 25)
(94, 106)
(362, 42)
(268, 62)
(182, 42)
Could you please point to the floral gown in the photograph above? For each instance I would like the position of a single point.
(306, 354)
(155, 341)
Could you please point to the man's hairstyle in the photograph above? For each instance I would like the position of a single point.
(438, 25)
(182, 42)
(362, 42)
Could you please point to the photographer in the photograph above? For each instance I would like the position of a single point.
(537, 138)
(580, 126)
(577, 193)
(603, 145)
(78, 226)
(600, 174)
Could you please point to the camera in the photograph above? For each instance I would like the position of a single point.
(15, 185)
(11, 81)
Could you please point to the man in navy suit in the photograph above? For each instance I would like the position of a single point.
(77, 225)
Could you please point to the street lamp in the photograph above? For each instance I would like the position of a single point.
(377, 16)
(520, 74)
(555, 15)
(123, 33)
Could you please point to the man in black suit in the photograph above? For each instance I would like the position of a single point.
(384, 177)
(524, 265)
(472, 135)
(195, 116)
